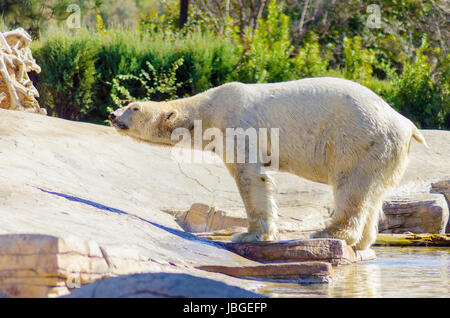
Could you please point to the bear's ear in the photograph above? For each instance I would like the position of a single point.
(171, 115)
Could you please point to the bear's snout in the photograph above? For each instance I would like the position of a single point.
(116, 122)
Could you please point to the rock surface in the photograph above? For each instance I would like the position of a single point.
(34, 265)
(301, 272)
(332, 251)
(161, 285)
(416, 213)
(443, 187)
(64, 179)
(203, 218)
(426, 213)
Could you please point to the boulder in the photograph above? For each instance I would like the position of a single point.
(161, 285)
(203, 218)
(34, 265)
(443, 187)
(420, 213)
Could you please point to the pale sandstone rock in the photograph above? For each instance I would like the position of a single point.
(196, 219)
(43, 266)
(333, 251)
(161, 285)
(33, 265)
(443, 187)
(203, 218)
(302, 272)
(32, 291)
(422, 213)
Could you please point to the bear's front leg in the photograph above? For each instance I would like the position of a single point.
(256, 189)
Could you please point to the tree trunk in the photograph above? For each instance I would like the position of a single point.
(184, 7)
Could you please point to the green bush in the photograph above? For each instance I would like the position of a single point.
(207, 62)
(67, 75)
(148, 84)
(309, 62)
(266, 51)
(358, 61)
(267, 54)
(79, 69)
(86, 74)
(421, 91)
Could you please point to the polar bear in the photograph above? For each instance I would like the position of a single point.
(331, 130)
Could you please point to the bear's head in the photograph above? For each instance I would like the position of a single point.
(150, 122)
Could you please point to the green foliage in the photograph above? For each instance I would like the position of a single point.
(87, 63)
(85, 74)
(309, 62)
(32, 15)
(207, 62)
(267, 52)
(67, 75)
(404, 22)
(421, 92)
(358, 61)
(155, 22)
(151, 84)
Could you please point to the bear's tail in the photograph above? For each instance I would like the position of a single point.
(417, 135)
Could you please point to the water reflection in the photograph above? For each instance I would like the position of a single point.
(397, 272)
(357, 281)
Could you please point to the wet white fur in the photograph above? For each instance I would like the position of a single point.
(331, 130)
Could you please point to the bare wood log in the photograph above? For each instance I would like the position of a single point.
(17, 91)
(413, 239)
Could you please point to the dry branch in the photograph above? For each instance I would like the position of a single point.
(16, 89)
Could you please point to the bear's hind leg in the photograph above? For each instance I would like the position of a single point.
(256, 192)
(370, 231)
(387, 174)
(352, 207)
(388, 177)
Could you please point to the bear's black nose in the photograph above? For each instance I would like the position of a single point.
(112, 116)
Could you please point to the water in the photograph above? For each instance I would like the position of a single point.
(398, 272)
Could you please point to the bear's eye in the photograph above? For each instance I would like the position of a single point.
(170, 115)
(135, 109)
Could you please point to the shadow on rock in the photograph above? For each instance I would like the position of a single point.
(97, 205)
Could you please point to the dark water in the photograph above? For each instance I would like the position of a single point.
(398, 272)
